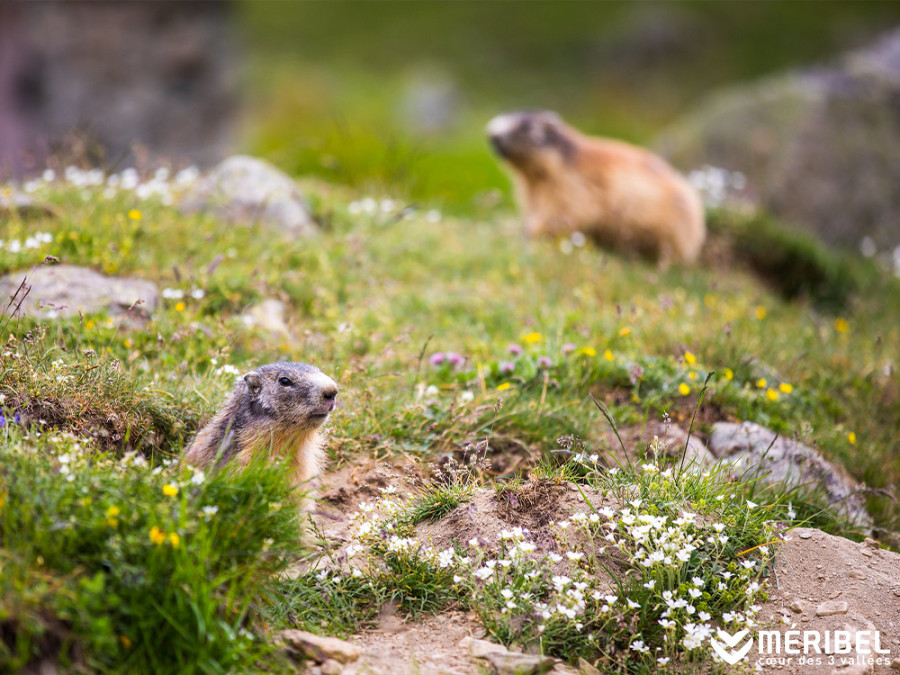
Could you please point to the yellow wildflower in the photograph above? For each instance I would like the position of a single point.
(587, 351)
(174, 539)
(841, 325)
(692, 375)
(852, 438)
(760, 312)
(112, 522)
(504, 386)
(771, 394)
(625, 331)
(761, 383)
(179, 307)
(786, 387)
(689, 358)
(729, 373)
(608, 355)
(134, 214)
(126, 641)
(113, 511)
(683, 389)
(170, 490)
(533, 337)
(157, 536)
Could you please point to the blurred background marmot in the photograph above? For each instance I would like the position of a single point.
(276, 410)
(622, 196)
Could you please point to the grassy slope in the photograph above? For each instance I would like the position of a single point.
(373, 294)
(370, 300)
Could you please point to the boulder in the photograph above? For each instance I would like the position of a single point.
(757, 451)
(246, 191)
(65, 290)
(818, 147)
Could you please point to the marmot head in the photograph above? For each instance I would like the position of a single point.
(531, 141)
(294, 395)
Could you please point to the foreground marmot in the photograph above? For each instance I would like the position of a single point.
(276, 410)
(622, 196)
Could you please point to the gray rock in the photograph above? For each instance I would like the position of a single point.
(696, 458)
(819, 147)
(481, 648)
(753, 449)
(158, 75)
(247, 191)
(65, 290)
(320, 648)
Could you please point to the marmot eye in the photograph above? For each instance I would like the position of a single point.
(284, 382)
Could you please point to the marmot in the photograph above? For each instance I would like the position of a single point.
(277, 410)
(622, 196)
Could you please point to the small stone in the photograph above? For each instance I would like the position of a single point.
(834, 595)
(895, 664)
(516, 663)
(896, 592)
(856, 574)
(586, 668)
(806, 534)
(481, 648)
(320, 648)
(797, 606)
(831, 607)
(866, 552)
(871, 543)
(268, 315)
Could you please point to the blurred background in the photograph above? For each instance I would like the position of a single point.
(393, 96)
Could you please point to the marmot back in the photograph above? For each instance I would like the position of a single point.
(622, 196)
(276, 410)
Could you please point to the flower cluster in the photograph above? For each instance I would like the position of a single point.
(162, 184)
(37, 240)
(683, 578)
(388, 207)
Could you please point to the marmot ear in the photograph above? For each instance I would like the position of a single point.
(254, 381)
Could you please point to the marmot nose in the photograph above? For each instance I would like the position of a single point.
(328, 393)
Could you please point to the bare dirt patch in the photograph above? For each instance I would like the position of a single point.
(860, 584)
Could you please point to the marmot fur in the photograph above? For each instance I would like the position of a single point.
(276, 410)
(622, 196)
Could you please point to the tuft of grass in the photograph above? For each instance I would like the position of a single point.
(111, 565)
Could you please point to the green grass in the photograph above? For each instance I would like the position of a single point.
(538, 328)
(110, 565)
